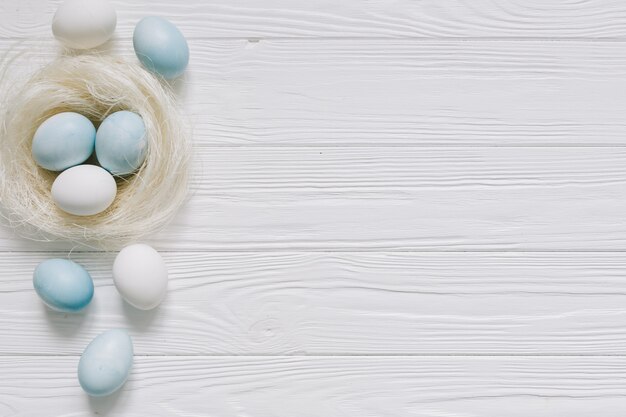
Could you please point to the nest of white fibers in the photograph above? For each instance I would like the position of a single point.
(94, 86)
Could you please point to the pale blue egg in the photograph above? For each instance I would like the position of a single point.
(63, 140)
(106, 362)
(63, 285)
(121, 142)
(160, 46)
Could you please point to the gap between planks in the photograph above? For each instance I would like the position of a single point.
(69, 252)
(259, 355)
(296, 39)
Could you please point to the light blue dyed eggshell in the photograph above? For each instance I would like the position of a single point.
(121, 142)
(106, 363)
(63, 285)
(63, 141)
(160, 46)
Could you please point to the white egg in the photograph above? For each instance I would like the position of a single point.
(84, 24)
(140, 276)
(84, 190)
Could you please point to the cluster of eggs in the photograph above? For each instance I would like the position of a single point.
(66, 140)
(65, 143)
(140, 276)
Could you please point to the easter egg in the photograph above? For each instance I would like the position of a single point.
(63, 285)
(63, 140)
(84, 24)
(84, 190)
(106, 363)
(121, 142)
(140, 276)
(160, 46)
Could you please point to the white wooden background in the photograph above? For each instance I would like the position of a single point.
(400, 208)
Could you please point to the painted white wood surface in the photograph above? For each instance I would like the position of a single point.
(400, 208)
(325, 386)
(350, 18)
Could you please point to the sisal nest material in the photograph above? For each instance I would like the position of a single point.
(94, 86)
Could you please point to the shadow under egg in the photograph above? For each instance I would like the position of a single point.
(65, 324)
(141, 320)
(105, 405)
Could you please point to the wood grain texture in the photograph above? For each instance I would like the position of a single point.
(313, 387)
(381, 188)
(350, 18)
(344, 303)
(392, 92)
(327, 199)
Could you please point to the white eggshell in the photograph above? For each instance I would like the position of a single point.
(84, 24)
(140, 276)
(84, 190)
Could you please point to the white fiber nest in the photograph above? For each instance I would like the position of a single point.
(94, 86)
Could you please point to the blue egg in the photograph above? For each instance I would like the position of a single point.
(63, 285)
(106, 362)
(121, 142)
(63, 140)
(160, 46)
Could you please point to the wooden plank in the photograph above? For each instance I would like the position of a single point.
(343, 303)
(394, 92)
(328, 199)
(327, 386)
(349, 18)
